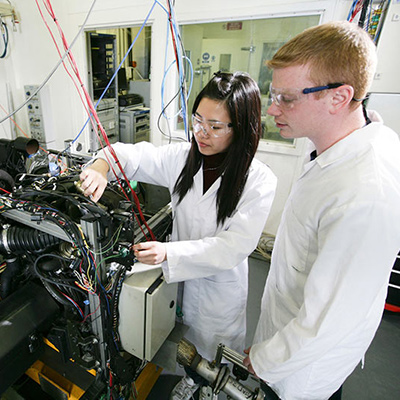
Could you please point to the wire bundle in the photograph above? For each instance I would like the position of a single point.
(47, 213)
(75, 279)
(91, 110)
(180, 57)
(72, 276)
(373, 22)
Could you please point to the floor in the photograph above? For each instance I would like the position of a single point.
(379, 380)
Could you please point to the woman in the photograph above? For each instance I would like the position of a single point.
(220, 196)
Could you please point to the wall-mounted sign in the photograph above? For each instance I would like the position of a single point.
(205, 56)
(234, 26)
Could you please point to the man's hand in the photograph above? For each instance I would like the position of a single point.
(247, 362)
(94, 179)
(151, 253)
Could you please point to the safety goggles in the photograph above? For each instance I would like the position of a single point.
(214, 129)
(287, 98)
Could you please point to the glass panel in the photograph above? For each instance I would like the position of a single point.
(241, 46)
(130, 120)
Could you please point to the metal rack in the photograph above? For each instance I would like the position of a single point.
(102, 66)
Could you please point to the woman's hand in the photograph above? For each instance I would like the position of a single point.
(151, 253)
(94, 179)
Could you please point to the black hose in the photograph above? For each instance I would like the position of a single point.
(7, 277)
(364, 9)
(18, 240)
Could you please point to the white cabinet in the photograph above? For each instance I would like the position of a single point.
(134, 124)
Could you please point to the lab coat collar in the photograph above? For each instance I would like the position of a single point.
(198, 178)
(352, 143)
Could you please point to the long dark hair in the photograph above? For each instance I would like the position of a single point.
(241, 96)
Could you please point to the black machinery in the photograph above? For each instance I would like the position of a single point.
(63, 261)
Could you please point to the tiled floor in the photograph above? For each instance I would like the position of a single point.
(379, 380)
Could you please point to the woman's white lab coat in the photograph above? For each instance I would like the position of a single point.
(211, 259)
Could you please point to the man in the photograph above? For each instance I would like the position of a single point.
(339, 233)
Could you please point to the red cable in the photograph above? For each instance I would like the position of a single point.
(5, 191)
(65, 67)
(173, 34)
(104, 135)
(391, 307)
(93, 112)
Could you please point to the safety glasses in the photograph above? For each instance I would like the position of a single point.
(214, 129)
(286, 98)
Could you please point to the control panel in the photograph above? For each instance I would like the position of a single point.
(39, 115)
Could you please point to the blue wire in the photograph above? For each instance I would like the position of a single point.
(102, 95)
(191, 75)
(76, 306)
(182, 110)
(181, 71)
(163, 81)
(162, 6)
(352, 9)
(98, 281)
(165, 65)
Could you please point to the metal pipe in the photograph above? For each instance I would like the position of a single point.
(218, 376)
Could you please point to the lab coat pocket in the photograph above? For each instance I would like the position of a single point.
(221, 301)
(294, 243)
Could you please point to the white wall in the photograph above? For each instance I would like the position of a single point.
(6, 131)
(387, 77)
(32, 56)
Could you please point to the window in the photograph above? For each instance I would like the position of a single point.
(241, 46)
(130, 88)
